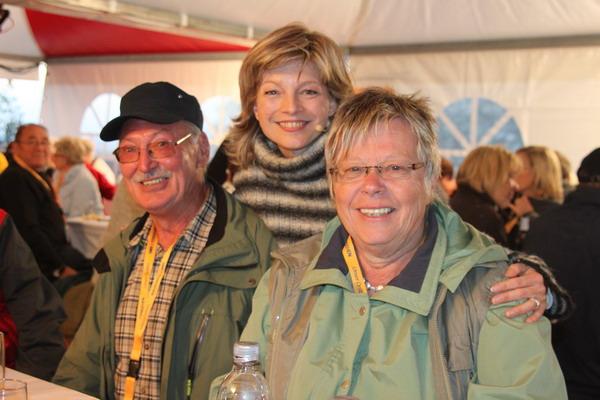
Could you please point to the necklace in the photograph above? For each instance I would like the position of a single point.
(372, 288)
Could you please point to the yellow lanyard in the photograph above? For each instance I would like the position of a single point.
(148, 293)
(33, 172)
(358, 281)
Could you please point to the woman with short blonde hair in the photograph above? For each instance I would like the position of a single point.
(382, 109)
(487, 167)
(541, 176)
(71, 148)
(77, 189)
(485, 186)
(541, 188)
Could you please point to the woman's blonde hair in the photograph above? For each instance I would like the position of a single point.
(369, 110)
(70, 148)
(293, 42)
(488, 167)
(546, 171)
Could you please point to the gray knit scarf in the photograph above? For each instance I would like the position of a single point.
(289, 194)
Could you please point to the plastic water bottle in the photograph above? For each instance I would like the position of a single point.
(245, 381)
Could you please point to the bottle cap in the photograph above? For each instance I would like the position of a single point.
(245, 352)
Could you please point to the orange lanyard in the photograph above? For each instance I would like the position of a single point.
(358, 280)
(148, 293)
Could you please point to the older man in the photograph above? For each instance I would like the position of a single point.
(29, 198)
(177, 284)
(392, 300)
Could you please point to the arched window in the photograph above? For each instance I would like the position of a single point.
(471, 122)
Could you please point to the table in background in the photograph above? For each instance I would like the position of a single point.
(38, 389)
(87, 235)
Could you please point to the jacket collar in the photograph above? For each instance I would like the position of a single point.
(232, 248)
(456, 248)
(584, 195)
(411, 278)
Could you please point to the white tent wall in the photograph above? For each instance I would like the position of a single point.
(552, 93)
(72, 87)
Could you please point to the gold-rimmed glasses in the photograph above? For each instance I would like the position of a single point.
(157, 150)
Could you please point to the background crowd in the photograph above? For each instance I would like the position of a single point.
(290, 159)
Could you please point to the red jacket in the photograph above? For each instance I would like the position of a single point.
(7, 326)
(107, 189)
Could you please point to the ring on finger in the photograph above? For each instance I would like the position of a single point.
(536, 301)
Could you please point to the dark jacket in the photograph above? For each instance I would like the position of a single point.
(479, 210)
(568, 238)
(38, 218)
(517, 235)
(33, 303)
(218, 289)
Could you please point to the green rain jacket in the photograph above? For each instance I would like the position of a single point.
(319, 338)
(218, 289)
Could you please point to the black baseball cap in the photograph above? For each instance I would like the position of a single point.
(156, 102)
(589, 170)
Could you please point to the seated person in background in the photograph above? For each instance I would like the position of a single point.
(540, 178)
(207, 250)
(486, 185)
(397, 283)
(107, 187)
(30, 200)
(77, 190)
(568, 237)
(540, 188)
(30, 305)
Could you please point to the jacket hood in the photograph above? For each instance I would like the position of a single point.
(463, 247)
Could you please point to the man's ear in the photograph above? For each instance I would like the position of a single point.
(203, 150)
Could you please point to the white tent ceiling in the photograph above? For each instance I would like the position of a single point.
(359, 25)
(400, 22)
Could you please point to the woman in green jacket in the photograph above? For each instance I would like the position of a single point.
(392, 300)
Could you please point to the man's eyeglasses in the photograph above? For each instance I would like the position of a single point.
(32, 143)
(156, 150)
(389, 171)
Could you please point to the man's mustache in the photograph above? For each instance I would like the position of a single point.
(158, 173)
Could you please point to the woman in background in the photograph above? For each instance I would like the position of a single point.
(540, 178)
(76, 188)
(291, 83)
(486, 185)
(540, 189)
